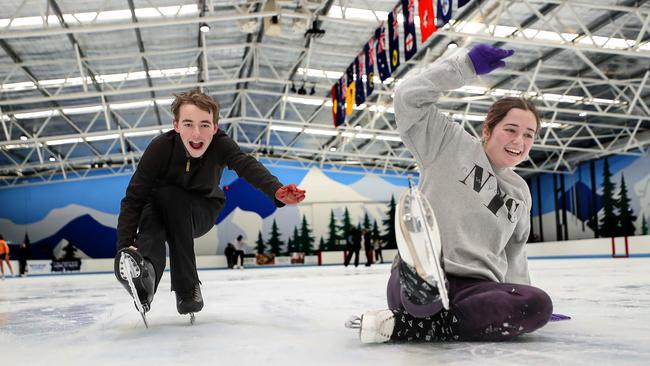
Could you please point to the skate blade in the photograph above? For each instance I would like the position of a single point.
(192, 318)
(129, 270)
(416, 223)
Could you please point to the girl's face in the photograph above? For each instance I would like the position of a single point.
(509, 142)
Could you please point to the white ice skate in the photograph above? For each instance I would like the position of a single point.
(375, 326)
(131, 271)
(418, 239)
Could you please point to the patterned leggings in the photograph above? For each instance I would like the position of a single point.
(480, 310)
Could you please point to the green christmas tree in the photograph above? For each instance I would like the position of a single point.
(306, 240)
(260, 243)
(333, 233)
(275, 243)
(375, 230)
(347, 223)
(389, 224)
(322, 245)
(609, 221)
(366, 221)
(625, 214)
(294, 244)
(644, 226)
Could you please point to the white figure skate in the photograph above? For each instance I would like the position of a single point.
(418, 239)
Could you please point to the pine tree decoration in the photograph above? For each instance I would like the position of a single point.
(260, 243)
(306, 240)
(366, 221)
(644, 226)
(625, 214)
(609, 221)
(294, 244)
(322, 246)
(389, 225)
(333, 235)
(347, 224)
(375, 230)
(275, 244)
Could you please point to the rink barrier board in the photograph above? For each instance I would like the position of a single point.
(637, 247)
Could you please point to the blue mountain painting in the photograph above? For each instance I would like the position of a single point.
(583, 198)
(241, 194)
(85, 233)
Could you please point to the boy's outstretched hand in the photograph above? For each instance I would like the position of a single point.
(290, 194)
(486, 58)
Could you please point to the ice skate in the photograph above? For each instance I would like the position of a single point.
(374, 326)
(418, 240)
(138, 278)
(189, 302)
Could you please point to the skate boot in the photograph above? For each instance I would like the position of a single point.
(375, 326)
(138, 277)
(380, 326)
(189, 302)
(419, 245)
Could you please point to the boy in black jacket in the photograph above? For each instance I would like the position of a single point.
(174, 197)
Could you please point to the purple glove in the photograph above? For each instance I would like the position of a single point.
(558, 317)
(487, 58)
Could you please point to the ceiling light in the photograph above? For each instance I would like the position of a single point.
(52, 158)
(23, 138)
(332, 149)
(204, 27)
(452, 45)
(582, 114)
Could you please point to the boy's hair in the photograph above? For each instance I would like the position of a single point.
(199, 99)
(501, 107)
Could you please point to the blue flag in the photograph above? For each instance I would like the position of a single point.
(369, 51)
(393, 40)
(360, 95)
(444, 12)
(380, 52)
(340, 93)
(408, 12)
(462, 3)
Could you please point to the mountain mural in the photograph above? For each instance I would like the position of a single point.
(583, 199)
(85, 233)
(241, 194)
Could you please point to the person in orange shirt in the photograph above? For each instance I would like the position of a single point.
(4, 257)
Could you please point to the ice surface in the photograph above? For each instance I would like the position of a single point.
(295, 316)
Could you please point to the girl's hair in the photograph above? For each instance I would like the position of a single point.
(198, 98)
(501, 107)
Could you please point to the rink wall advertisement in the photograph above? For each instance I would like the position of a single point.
(77, 219)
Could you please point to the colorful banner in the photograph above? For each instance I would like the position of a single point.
(427, 19)
(393, 40)
(408, 12)
(349, 98)
(444, 12)
(368, 50)
(335, 104)
(360, 95)
(380, 52)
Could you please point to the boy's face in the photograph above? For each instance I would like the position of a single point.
(196, 129)
(511, 139)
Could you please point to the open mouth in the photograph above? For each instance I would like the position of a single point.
(196, 145)
(513, 152)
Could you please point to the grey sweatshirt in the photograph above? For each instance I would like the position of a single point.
(483, 212)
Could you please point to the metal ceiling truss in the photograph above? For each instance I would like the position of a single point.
(594, 113)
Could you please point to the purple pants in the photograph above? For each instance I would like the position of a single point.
(486, 310)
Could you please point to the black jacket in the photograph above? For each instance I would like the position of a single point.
(166, 162)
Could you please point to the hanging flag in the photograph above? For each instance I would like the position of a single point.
(335, 103)
(349, 98)
(427, 19)
(380, 52)
(360, 95)
(393, 40)
(444, 12)
(462, 3)
(340, 96)
(408, 12)
(368, 50)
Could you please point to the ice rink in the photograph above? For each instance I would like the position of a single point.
(295, 316)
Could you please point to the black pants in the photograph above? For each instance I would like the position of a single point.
(352, 250)
(239, 255)
(378, 256)
(177, 217)
(22, 264)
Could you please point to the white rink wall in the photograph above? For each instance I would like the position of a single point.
(637, 246)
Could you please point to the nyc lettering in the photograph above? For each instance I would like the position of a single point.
(499, 199)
